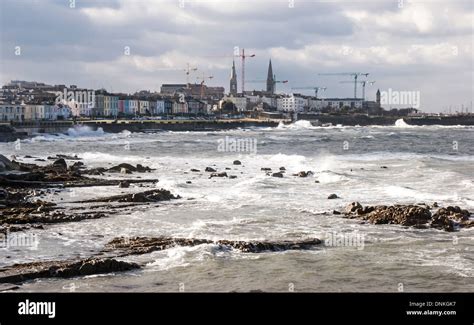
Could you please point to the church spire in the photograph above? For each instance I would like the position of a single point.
(270, 79)
(233, 80)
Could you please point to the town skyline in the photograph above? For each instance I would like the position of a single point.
(125, 46)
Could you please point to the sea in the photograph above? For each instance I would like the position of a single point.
(374, 165)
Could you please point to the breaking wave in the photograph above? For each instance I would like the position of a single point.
(84, 131)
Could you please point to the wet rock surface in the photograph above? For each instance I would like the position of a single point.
(448, 219)
(143, 245)
(26, 190)
(156, 195)
(57, 174)
(63, 269)
(129, 169)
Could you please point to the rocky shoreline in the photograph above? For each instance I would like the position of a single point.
(450, 218)
(23, 206)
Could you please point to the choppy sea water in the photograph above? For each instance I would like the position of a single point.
(423, 164)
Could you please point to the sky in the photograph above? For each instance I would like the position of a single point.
(129, 45)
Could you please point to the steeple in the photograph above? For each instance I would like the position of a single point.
(270, 79)
(233, 80)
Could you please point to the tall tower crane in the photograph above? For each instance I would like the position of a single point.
(363, 83)
(353, 74)
(237, 54)
(316, 89)
(203, 80)
(243, 56)
(188, 71)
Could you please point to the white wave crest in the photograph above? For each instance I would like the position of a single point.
(400, 123)
(84, 131)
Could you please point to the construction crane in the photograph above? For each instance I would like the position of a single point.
(363, 83)
(274, 81)
(316, 89)
(237, 54)
(243, 56)
(188, 70)
(354, 74)
(203, 80)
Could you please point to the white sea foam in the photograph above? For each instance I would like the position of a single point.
(84, 131)
(400, 123)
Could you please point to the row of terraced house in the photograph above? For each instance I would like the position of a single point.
(96, 105)
(111, 105)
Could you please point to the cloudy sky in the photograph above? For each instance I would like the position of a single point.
(424, 46)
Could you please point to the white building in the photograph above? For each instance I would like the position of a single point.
(12, 112)
(144, 106)
(257, 99)
(160, 106)
(339, 103)
(292, 103)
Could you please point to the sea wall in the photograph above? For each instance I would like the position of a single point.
(363, 120)
(18, 129)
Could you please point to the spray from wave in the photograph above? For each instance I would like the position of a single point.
(298, 125)
(400, 123)
(84, 131)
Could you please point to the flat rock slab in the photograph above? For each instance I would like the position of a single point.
(62, 269)
(147, 196)
(143, 245)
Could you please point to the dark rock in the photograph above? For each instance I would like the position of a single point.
(304, 174)
(278, 174)
(75, 157)
(143, 169)
(147, 196)
(188, 182)
(282, 168)
(405, 215)
(222, 174)
(442, 222)
(332, 196)
(232, 177)
(385, 167)
(257, 247)
(228, 168)
(118, 168)
(353, 207)
(124, 184)
(195, 170)
(77, 164)
(139, 168)
(435, 205)
(144, 245)
(237, 162)
(265, 169)
(447, 218)
(210, 170)
(335, 212)
(62, 269)
(60, 163)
